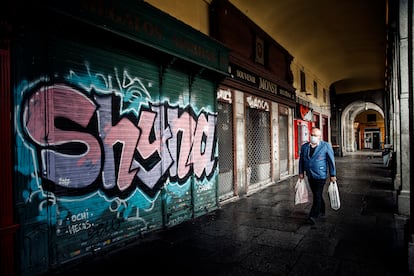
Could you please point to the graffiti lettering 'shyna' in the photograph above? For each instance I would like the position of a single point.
(83, 141)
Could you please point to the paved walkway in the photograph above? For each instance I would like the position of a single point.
(266, 234)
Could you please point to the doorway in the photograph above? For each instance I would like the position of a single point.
(372, 140)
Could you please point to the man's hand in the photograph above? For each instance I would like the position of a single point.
(333, 178)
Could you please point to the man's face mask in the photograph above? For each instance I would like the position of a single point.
(314, 139)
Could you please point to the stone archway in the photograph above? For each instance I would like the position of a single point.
(348, 115)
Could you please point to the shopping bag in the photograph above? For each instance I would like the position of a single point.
(301, 191)
(333, 193)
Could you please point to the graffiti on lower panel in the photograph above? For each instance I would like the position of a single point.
(78, 222)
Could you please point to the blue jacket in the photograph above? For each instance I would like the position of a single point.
(317, 166)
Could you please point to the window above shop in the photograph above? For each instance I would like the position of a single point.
(302, 81)
(371, 117)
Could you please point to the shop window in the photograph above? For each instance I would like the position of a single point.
(315, 89)
(302, 81)
(260, 51)
(371, 117)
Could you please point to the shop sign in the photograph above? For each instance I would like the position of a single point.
(141, 22)
(251, 79)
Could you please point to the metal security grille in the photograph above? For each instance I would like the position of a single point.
(225, 146)
(258, 145)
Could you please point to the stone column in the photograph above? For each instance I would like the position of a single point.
(404, 195)
(243, 177)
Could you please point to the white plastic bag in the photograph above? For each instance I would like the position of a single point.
(301, 191)
(333, 193)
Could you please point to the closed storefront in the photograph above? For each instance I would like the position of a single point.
(256, 106)
(258, 128)
(225, 136)
(258, 141)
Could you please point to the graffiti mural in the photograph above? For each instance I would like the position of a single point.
(104, 161)
(60, 122)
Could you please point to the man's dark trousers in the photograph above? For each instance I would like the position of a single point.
(318, 206)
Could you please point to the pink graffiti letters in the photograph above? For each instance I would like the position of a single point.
(83, 140)
(39, 114)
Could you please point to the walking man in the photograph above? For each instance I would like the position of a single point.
(318, 162)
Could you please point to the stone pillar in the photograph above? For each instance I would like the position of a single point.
(395, 124)
(351, 134)
(242, 176)
(275, 141)
(403, 154)
(407, 15)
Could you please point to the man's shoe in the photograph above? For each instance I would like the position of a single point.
(322, 216)
(311, 221)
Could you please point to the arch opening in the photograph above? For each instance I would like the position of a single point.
(362, 127)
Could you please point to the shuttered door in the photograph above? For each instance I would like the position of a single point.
(204, 149)
(177, 195)
(32, 204)
(225, 145)
(90, 129)
(110, 145)
(7, 221)
(258, 146)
